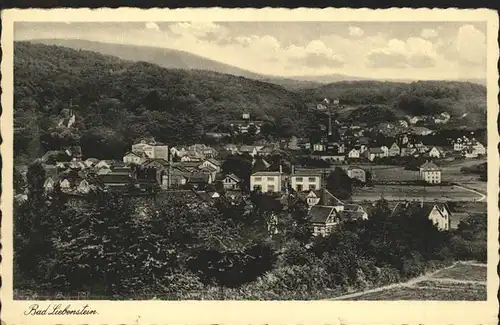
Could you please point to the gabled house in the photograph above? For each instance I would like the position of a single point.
(436, 152)
(439, 213)
(231, 182)
(322, 219)
(394, 150)
(216, 165)
(357, 173)
(83, 186)
(354, 154)
(49, 184)
(134, 158)
(65, 184)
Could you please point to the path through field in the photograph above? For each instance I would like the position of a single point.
(482, 196)
(437, 280)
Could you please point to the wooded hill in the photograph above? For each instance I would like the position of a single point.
(117, 101)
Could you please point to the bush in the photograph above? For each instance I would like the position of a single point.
(412, 267)
(388, 275)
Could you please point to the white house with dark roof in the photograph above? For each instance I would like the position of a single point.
(439, 213)
(430, 172)
(354, 153)
(436, 152)
(305, 180)
(267, 181)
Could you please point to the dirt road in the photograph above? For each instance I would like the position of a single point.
(413, 282)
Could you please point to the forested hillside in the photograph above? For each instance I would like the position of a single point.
(464, 101)
(117, 101)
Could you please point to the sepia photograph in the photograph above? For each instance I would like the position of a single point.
(250, 161)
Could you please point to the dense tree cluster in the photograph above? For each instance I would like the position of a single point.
(179, 247)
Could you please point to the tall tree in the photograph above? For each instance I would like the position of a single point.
(339, 184)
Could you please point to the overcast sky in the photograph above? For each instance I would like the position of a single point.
(402, 50)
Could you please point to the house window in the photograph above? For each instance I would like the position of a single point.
(312, 187)
(270, 179)
(258, 179)
(270, 188)
(298, 179)
(299, 187)
(257, 187)
(312, 179)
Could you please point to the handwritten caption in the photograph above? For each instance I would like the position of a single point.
(59, 309)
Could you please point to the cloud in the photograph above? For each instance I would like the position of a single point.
(415, 52)
(355, 31)
(152, 25)
(264, 43)
(314, 55)
(471, 45)
(467, 47)
(196, 29)
(428, 33)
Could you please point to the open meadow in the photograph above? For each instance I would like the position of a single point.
(461, 281)
(416, 192)
(451, 173)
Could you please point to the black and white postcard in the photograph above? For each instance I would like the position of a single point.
(245, 166)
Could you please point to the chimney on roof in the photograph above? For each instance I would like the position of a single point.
(281, 169)
(293, 169)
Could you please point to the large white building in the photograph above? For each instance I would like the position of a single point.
(266, 181)
(305, 181)
(430, 172)
(151, 149)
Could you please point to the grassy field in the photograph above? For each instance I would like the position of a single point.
(392, 173)
(464, 272)
(450, 293)
(463, 281)
(450, 173)
(414, 192)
